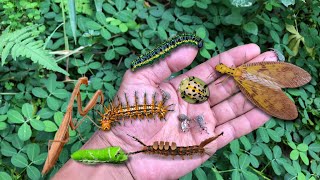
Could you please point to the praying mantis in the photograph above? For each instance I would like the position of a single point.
(62, 135)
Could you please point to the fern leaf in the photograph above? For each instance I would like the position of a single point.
(6, 52)
(22, 43)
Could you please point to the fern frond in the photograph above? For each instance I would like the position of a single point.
(22, 43)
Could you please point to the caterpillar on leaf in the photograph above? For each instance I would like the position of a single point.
(165, 48)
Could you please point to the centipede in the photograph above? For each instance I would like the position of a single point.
(165, 48)
(114, 113)
(164, 148)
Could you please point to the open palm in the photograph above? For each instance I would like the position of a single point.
(226, 110)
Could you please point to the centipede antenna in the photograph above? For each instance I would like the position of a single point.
(137, 140)
(209, 140)
(136, 152)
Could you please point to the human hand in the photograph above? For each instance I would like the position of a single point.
(227, 110)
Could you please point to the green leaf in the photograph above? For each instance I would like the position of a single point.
(256, 150)
(27, 110)
(294, 155)
(276, 167)
(246, 143)
(234, 146)
(19, 161)
(249, 175)
(188, 3)
(5, 176)
(277, 152)
(39, 160)
(37, 124)
(201, 32)
(24, 132)
(33, 172)
(120, 4)
(137, 44)
(50, 126)
(39, 92)
(33, 151)
(60, 93)
(15, 117)
(302, 147)
(304, 158)
(205, 53)
(122, 50)
(7, 149)
(123, 27)
(3, 126)
(53, 103)
(187, 176)
(251, 28)
(234, 160)
(274, 135)
(244, 161)
(275, 36)
(235, 18)
(152, 22)
(314, 147)
(235, 175)
(105, 34)
(289, 169)
(110, 55)
(200, 174)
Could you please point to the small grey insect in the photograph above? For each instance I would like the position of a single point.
(201, 122)
(185, 122)
(279, 54)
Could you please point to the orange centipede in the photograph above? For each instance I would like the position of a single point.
(164, 148)
(114, 113)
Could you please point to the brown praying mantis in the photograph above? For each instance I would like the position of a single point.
(62, 135)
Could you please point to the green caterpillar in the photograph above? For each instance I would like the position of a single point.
(112, 154)
(165, 48)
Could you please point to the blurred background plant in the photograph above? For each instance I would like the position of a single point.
(46, 46)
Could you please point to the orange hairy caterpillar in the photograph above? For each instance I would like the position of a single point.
(114, 113)
(261, 83)
(164, 148)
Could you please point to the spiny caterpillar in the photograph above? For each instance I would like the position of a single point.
(114, 113)
(164, 148)
(193, 90)
(165, 48)
(113, 154)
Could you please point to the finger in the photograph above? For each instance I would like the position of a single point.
(240, 126)
(223, 88)
(155, 74)
(237, 56)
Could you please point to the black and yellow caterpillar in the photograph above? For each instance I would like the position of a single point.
(165, 48)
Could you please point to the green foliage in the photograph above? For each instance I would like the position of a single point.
(110, 35)
(22, 43)
(19, 14)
